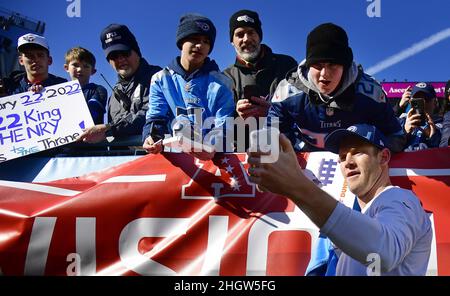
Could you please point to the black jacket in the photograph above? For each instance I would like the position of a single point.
(128, 103)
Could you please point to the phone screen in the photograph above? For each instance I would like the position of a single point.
(250, 90)
(418, 104)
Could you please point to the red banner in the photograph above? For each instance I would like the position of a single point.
(175, 215)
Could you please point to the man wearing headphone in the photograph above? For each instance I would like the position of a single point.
(392, 231)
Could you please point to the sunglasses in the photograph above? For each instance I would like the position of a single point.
(119, 53)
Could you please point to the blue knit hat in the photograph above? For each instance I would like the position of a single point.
(191, 24)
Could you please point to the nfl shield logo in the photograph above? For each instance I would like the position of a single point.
(188, 87)
(330, 111)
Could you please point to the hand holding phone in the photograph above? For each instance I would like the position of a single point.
(267, 142)
(250, 91)
(418, 105)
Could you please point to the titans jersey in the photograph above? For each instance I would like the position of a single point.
(307, 124)
(205, 93)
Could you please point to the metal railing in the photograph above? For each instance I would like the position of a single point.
(9, 18)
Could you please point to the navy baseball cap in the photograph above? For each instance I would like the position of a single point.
(366, 132)
(116, 37)
(425, 88)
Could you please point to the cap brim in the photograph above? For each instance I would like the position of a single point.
(334, 139)
(427, 94)
(30, 44)
(116, 47)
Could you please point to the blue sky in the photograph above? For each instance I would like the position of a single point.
(406, 30)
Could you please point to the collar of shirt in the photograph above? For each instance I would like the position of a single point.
(367, 206)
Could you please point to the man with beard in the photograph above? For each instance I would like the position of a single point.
(128, 103)
(257, 70)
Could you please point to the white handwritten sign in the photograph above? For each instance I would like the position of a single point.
(32, 122)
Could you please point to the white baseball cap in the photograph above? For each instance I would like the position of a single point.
(32, 39)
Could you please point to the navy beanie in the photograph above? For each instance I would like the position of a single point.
(328, 43)
(191, 24)
(117, 37)
(245, 18)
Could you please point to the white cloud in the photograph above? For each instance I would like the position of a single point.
(409, 52)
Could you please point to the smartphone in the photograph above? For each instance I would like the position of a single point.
(418, 105)
(250, 91)
(266, 140)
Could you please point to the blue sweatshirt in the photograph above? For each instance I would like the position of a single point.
(306, 117)
(173, 92)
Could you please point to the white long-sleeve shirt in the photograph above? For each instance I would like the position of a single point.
(393, 225)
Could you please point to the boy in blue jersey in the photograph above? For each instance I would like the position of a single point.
(34, 56)
(392, 228)
(329, 91)
(189, 88)
(80, 64)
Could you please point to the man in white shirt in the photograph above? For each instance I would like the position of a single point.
(392, 231)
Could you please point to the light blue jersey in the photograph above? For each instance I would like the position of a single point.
(174, 92)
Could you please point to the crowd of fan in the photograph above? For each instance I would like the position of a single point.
(325, 92)
(326, 102)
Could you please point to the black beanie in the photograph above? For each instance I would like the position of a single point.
(245, 18)
(191, 24)
(328, 43)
